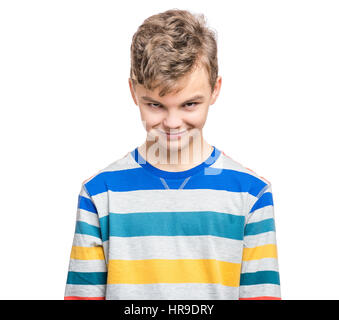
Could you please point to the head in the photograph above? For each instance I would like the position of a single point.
(174, 76)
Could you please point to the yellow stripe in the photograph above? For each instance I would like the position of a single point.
(87, 253)
(174, 271)
(260, 252)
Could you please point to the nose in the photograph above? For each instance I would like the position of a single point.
(172, 120)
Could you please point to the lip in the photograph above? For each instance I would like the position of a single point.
(171, 136)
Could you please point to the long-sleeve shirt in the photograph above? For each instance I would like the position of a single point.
(205, 233)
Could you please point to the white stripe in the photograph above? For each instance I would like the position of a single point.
(177, 247)
(226, 162)
(177, 200)
(101, 203)
(171, 291)
(124, 163)
(88, 217)
(260, 265)
(260, 239)
(85, 240)
(87, 265)
(260, 290)
(85, 290)
(83, 193)
(261, 214)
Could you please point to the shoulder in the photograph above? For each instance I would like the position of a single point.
(250, 180)
(97, 183)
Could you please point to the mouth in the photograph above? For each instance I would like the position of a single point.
(175, 133)
(171, 135)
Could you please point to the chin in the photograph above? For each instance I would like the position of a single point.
(173, 145)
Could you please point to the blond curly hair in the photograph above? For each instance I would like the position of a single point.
(170, 45)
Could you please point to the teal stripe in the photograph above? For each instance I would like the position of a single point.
(89, 278)
(85, 228)
(259, 277)
(259, 227)
(173, 224)
(104, 227)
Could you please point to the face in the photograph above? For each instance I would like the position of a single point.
(184, 112)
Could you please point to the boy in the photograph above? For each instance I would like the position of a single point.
(175, 218)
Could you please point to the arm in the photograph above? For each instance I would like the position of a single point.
(259, 270)
(87, 271)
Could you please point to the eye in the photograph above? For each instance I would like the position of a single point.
(155, 107)
(195, 103)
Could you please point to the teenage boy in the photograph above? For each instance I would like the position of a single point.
(175, 218)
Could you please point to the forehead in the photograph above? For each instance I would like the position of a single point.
(197, 82)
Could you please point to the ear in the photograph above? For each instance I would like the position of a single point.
(216, 90)
(132, 91)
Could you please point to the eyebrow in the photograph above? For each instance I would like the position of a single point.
(196, 97)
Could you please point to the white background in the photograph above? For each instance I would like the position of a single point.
(66, 112)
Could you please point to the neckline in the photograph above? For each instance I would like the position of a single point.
(175, 174)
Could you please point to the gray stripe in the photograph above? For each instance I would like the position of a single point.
(85, 290)
(87, 265)
(177, 200)
(260, 265)
(260, 290)
(171, 291)
(260, 239)
(178, 247)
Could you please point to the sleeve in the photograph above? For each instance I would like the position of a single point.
(259, 279)
(87, 271)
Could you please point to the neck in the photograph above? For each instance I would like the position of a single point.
(179, 159)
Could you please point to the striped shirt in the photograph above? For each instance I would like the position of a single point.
(201, 234)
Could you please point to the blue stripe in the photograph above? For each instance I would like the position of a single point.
(259, 277)
(86, 204)
(85, 228)
(173, 224)
(140, 179)
(259, 227)
(89, 278)
(265, 200)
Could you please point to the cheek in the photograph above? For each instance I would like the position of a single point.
(197, 119)
(150, 119)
